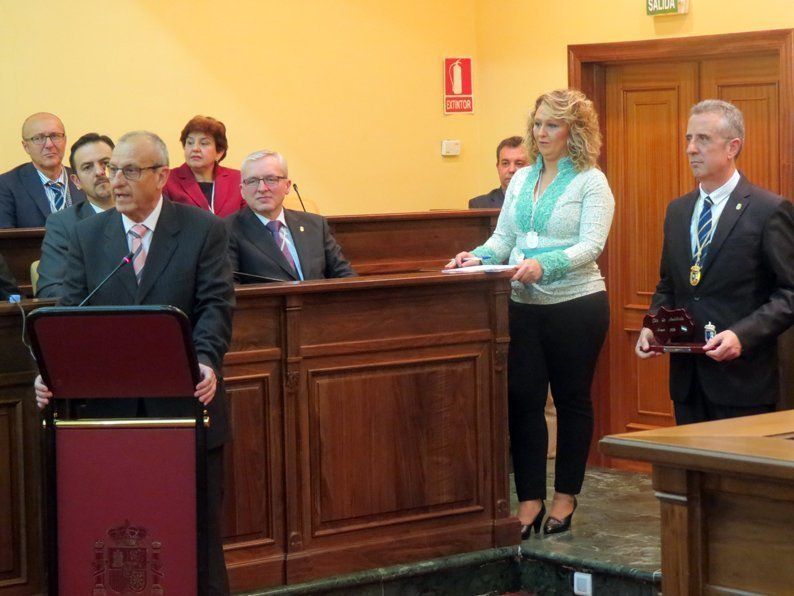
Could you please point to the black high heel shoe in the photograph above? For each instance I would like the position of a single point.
(526, 531)
(555, 526)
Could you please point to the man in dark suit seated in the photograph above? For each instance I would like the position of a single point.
(89, 158)
(8, 287)
(728, 258)
(31, 191)
(511, 155)
(270, 243)
(180, 259)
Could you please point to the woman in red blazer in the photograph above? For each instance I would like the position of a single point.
(201, 181)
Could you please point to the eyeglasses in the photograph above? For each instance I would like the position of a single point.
(55, 137)
(270, 181)
(130, 172)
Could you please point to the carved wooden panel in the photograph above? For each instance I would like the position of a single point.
(21, 549)
(390, 441)
(10, 491)
(249, 470)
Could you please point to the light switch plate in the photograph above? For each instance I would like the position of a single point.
(450, 148)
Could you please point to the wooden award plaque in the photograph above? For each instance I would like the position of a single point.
(673, 332)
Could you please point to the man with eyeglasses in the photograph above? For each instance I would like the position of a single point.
(89, 157)
(32, 191)
(270, 243)
(179, 259)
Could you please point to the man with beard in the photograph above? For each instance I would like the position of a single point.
(89, 158)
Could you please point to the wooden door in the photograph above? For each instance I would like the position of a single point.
(752, 84)
(646, 112)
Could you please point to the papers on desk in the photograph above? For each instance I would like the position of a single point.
(480, 269)
(496, 269)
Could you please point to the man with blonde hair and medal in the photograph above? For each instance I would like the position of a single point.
(728, 259)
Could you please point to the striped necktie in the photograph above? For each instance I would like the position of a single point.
(58, 196)
(704, 232)
(137, 232)
(280, 236)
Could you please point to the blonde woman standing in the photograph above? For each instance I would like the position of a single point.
(553, 225)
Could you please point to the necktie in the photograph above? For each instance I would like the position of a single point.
(280, 237)
(58, 196)
(137, 232)
(704, 231)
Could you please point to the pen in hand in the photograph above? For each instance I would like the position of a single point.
(472, 260)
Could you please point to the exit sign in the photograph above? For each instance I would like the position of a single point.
(657, 7)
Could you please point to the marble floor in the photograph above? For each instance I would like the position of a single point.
(615, 529)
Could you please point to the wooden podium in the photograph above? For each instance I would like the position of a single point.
(369, 422)
(726, 491)
(125, 492)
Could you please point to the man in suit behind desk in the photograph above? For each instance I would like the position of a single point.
(728, 258)
(181, 260)
(511, 155)
(268, 241)
(89, 157)
(33, 190)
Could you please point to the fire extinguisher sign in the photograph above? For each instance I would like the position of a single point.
(457, 86)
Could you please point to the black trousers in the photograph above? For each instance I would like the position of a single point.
(698, 408)
(557, 345)
(218, 577)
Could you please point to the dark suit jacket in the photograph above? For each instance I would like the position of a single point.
(7, 284)
(253, 249)
(492, 200)
(747, 286)
(55, 247)
(187, 266)
(23, 200)
(182, 187)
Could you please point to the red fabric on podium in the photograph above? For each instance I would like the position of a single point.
(124, 527)
(166, 370)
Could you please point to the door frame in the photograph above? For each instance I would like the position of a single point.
(587, 72)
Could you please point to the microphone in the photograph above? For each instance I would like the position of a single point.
(258, 277)
(125, 259)
(295, 186)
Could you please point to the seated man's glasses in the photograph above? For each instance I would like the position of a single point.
(55, 137)
(270, 181)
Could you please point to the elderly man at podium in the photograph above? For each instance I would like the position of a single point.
(179, 259)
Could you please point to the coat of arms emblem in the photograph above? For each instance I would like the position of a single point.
(130, 564)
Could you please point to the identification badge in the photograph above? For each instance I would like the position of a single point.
(532, 239)
(694, 275)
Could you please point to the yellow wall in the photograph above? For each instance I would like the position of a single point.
(348, 90)
(523, 47)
